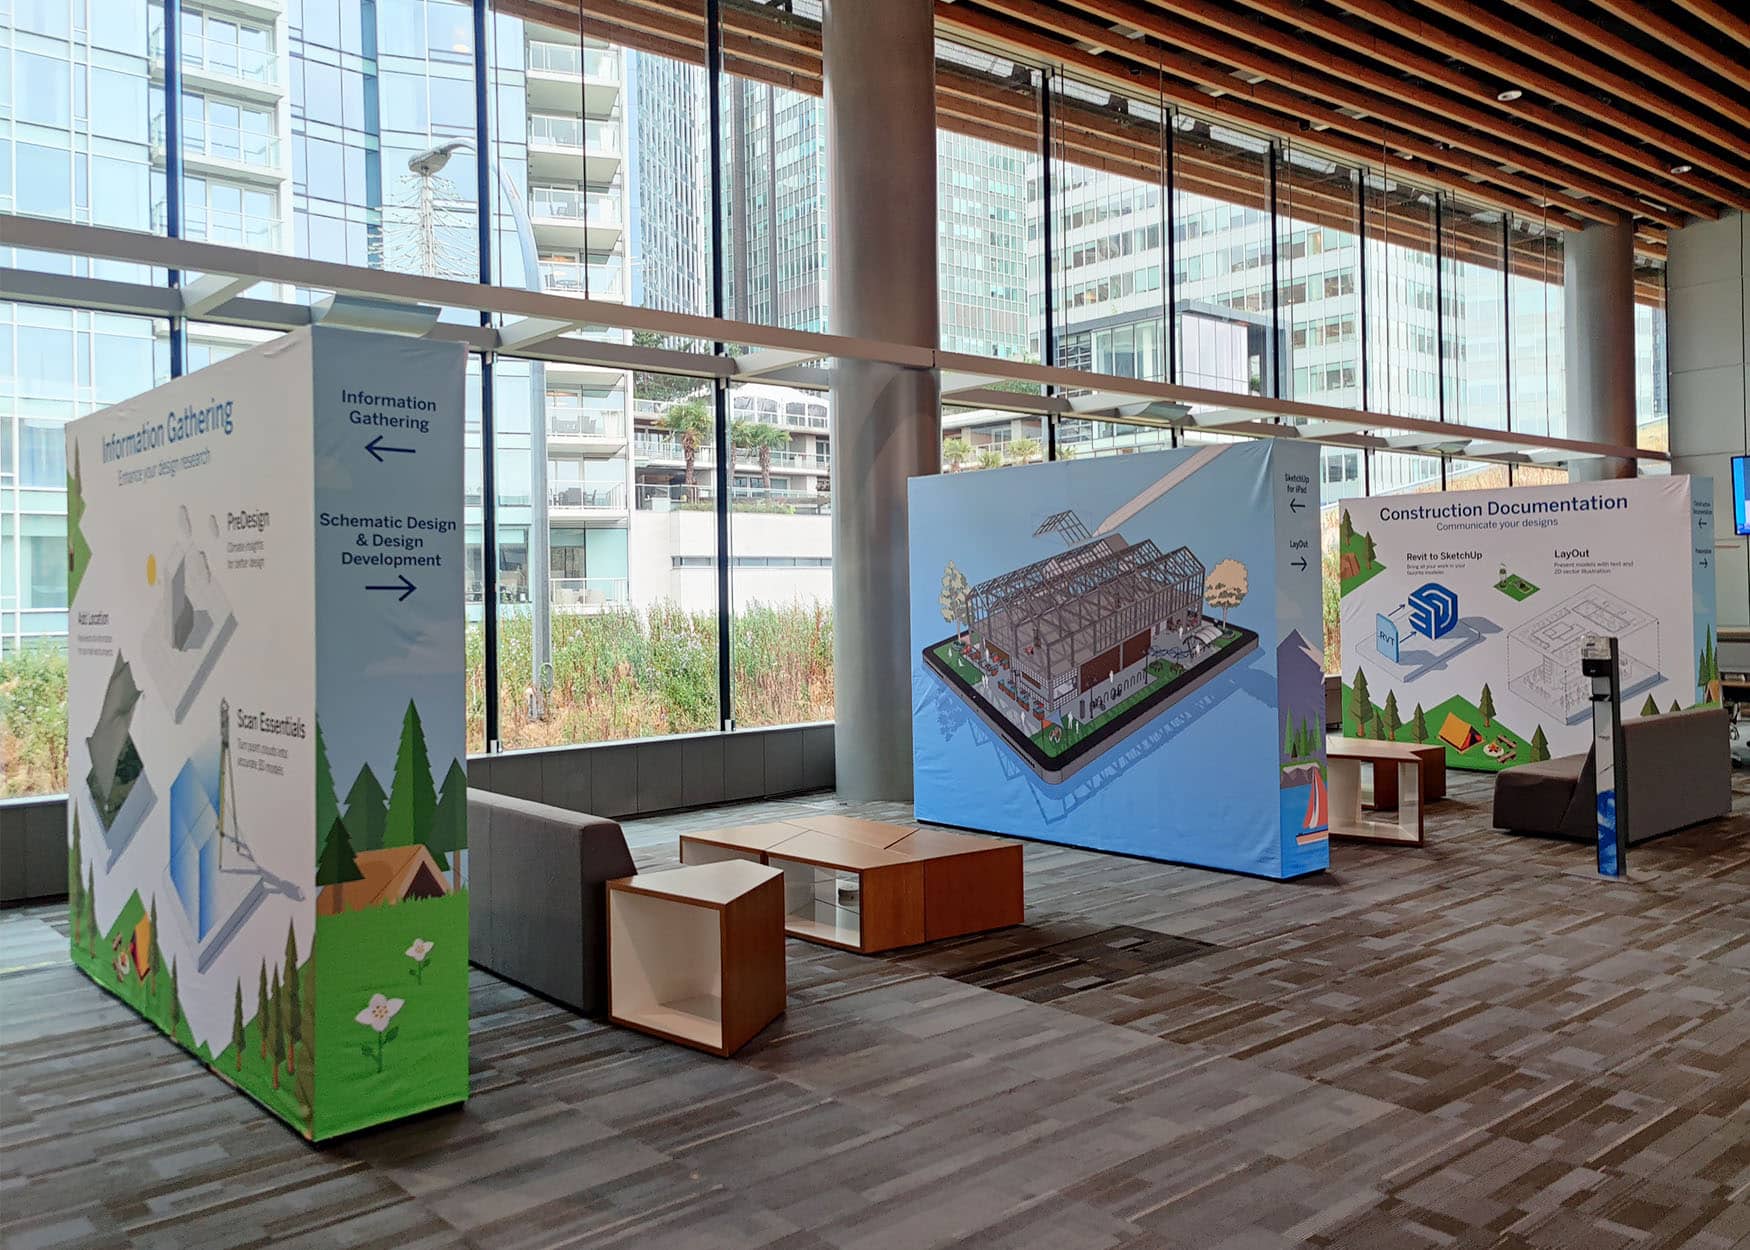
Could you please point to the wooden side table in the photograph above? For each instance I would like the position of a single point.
(849, 894)
(1345, 763)
(746, 842)
(696, 954)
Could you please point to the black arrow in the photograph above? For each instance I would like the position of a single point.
(1294, 505)
(376, 448)
(406, 587)
(1301, 564)
(1704, 562)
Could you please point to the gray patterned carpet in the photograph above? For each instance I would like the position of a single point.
(1476, 1044)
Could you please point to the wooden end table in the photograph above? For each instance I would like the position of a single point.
(1398, 779)
(696, 954)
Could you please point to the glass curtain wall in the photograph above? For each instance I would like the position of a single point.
(1402, 328)
(1652, 365)
(1536, 310)
(1319, 273)
(1473, 316)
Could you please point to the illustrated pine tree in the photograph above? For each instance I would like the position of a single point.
(1368, 551)
(76, 885)
(1649, 708)
(1486, 705)
(1676, 706)
(337, 863)
(91, 911)
(155, 955)
(1359, 704)
(1393, 722)
(305, 1083)
(412, 797)
(449, 825)
(175, 999)
(327, 805)
(1539, 746)
(294, 1014)
(367, 811)
(262, 1019)
(277, 1025)
(1419, 724)
(237, 1026)
(1345, 527)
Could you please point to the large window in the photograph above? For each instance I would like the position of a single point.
(1535, 305)
(1319, 266)
(1403, 355)
(1474, 316)
(1652, 363)
(1223, 298)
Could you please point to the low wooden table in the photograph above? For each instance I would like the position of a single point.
(696, 954)
(1385, 780)
(869, 886)
(1399, 780)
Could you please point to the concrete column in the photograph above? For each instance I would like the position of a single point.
(1599, 291)
(887, 421)
(1707, 311)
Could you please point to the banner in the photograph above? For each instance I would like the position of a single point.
(1123, 654)
(265, 570)
(1462, 613)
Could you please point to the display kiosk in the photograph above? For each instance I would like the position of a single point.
(268, 796)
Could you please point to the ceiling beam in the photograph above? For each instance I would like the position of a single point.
(1647, 60)
(1720, 18)
(1646, 19)
(1671, 145)
(1355, 84)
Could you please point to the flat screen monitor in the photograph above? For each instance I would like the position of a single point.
(1741, 494)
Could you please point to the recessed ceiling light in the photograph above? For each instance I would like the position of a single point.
(1509, 95)
(1681, 168)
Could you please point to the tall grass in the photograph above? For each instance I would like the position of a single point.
(33, 721)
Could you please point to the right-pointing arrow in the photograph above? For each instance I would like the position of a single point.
(1301, 564)
(405, 588)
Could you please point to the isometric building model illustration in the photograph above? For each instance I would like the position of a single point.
(216, 892)
(1543, 664)
(117, 785)
(1067, 654)
(190, 624)
(1514, 586)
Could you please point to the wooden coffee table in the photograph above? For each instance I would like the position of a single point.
(1385, 780)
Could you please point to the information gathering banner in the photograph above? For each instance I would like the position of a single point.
(1462, 613)
(1123, 653)
(267, 813)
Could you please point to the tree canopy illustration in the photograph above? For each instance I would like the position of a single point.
(367, 811)
(327, 804)
(449, 826)
(1225, 587)
(412, 797)
(955, 599)
(337, 862)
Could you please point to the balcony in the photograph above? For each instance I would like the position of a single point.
(569, 217)
(575, 501)
(654, 449)
(224, 150)
(599, 281)
(584, 429)
(699, 498)
(236, 70)
(557, 70)
(570, 148)
(584, 595)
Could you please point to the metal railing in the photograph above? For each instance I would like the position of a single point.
(610, 498)
(595, 208)
(652, 447)
(600, 138)
(213, 56)
(228, 143)
(574, 421)
(679, 497)
(568, 279)
(546, 57)
(582, 594)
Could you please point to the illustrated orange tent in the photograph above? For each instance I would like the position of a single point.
(1457, 734)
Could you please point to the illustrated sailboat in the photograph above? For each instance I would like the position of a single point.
(1318, 810)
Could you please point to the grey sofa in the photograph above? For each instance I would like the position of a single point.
(1679, 773)
(537, 898)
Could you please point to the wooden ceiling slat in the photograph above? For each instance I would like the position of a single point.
(1374, 138)
(1647, 20)
(1592, 109)
(1346, 82)
(1719, 18)
(1646, 60)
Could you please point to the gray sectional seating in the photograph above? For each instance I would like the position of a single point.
(1679, 773)
(537, 907)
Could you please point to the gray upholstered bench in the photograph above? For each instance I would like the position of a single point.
(538, 896)
(1679, 773)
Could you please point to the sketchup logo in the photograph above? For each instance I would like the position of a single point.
(1433, 610)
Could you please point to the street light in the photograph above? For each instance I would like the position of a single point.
(427, 165)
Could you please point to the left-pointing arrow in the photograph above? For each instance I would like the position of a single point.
(405, 588)
(1294, 505)
(376, 447)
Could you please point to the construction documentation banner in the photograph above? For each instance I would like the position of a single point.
(1123, 653)
(1462, 613)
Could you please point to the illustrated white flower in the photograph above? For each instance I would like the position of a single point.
(379, 1012)
(417, 953)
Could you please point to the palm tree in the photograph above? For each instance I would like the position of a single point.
(1024, 450)
(762, 439)
(690, 423)
(956, 451)
(990, 458)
